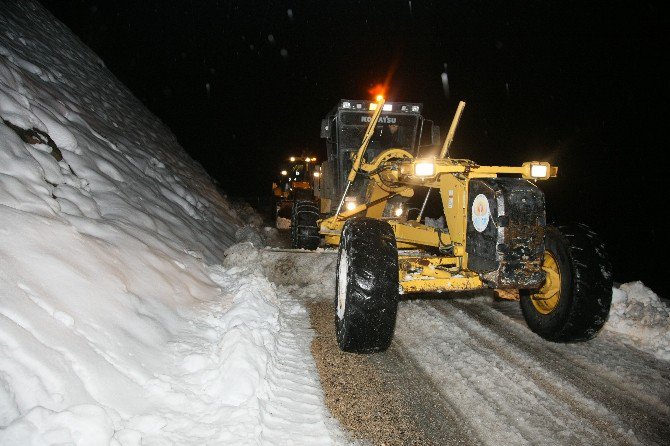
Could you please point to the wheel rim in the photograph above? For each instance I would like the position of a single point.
(546, 299)
(342, 284)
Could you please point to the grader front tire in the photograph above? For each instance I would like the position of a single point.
(575, 300)
(366, 290)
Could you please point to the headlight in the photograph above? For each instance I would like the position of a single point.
(351, 205)
(538, 171)
(284, 173)
(424, 169)
(398, 212)
(317, 174)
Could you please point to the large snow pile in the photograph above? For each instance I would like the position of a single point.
(639, 314)
(117, 325)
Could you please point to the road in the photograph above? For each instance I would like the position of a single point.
(468, 371)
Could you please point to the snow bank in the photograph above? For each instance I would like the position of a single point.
(308, 274)
(639, 314)
(117, 325)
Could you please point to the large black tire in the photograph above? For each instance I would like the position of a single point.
(304, 227)
(585, 293)
(366, 290)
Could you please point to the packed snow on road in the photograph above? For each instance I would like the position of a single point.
(136, 303)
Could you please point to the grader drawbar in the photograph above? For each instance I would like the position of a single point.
(495, 237)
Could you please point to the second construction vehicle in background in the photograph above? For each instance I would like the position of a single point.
(295, 183)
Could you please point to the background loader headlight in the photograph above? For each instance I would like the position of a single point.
(398, 211)
(425, 169)
(351, 205)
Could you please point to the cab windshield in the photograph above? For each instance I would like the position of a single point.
(392, 130)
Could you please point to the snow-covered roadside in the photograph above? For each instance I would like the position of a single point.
(139, 355)
(642, 318)
(118, 324)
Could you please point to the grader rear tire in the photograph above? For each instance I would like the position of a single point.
(304, 228)
(574, 303)
(366, 289)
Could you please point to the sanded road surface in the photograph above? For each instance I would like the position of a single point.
(468, 371)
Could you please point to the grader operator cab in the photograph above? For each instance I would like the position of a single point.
(399, 126)
(496, 237)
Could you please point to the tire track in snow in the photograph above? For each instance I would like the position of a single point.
(494, 395)
(537, 370)
(645, 414)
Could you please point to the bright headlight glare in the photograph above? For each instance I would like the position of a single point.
(317, 174)
(424, 169)
(538, 171)
(398, 212)
(351, 205)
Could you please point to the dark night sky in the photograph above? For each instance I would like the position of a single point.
(575, 83)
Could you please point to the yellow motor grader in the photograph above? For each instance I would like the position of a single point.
(495, 237)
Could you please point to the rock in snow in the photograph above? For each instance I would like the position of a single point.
(118, 325)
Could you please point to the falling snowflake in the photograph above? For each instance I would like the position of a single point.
(445, 83)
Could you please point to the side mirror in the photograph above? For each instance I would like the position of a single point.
(435, 137)
(325, 128)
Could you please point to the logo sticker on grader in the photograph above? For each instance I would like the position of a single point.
(480, 212)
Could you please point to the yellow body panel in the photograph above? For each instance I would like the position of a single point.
(426, 284)
(424, 274)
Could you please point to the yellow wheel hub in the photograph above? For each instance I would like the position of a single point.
(547, 297)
